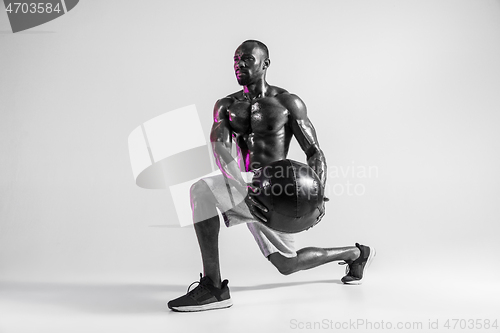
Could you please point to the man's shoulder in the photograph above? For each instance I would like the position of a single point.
(235, 96)
(224, 103)
(275, 92)
(288, 99)
(292, 103)
(279, 92)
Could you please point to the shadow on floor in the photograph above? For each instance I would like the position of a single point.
(279, 285)
(108, 298)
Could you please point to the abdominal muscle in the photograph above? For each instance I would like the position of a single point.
(257, 150)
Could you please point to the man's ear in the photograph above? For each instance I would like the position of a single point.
(267, 63)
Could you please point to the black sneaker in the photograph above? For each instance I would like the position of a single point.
(204, 297)
(355, 269)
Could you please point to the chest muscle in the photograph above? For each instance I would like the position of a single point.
(264, 116)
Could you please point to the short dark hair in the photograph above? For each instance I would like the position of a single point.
(261, 45)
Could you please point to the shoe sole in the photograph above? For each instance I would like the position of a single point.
(210, 306)
(372, 255)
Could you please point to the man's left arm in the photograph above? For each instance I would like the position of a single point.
(304, 132)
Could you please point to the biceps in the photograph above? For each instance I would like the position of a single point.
(221, 138)
(221, 134)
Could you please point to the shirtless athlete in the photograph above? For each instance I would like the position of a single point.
(261, 119)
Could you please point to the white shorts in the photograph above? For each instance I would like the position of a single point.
(235, 211)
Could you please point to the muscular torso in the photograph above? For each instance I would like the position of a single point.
(260, 128)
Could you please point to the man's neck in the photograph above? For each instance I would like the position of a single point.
(256, 90)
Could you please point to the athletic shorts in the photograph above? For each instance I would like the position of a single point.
(231, 204)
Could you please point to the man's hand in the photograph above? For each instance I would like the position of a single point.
(257, 209)
(248, 191)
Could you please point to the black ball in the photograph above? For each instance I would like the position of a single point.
(293, 194)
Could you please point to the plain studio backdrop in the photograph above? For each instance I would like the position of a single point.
(404, 96)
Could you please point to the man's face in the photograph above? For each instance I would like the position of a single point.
(249, 61)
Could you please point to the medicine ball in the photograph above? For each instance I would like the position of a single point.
(293, 194)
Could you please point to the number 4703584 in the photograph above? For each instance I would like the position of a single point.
(471, 324)
(32, 8)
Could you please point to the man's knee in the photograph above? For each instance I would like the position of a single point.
(285, 266)
(200, 192)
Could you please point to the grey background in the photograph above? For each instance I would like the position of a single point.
(409, 87)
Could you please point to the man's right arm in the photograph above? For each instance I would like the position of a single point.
(221, 138)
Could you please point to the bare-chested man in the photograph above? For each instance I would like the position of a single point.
(261, 119)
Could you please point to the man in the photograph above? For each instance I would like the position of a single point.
(261, 119)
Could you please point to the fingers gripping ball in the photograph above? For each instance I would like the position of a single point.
(293, 194)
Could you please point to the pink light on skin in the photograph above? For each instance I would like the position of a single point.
(224, 171)
(247, 162)
(226, 174)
